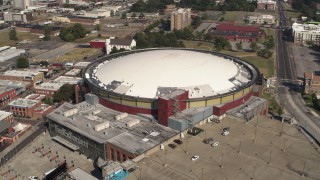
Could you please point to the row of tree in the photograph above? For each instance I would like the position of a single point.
(150, 6)
(228, 5)
(72, 33)
(307, 7)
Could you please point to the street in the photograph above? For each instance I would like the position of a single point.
(289, 97)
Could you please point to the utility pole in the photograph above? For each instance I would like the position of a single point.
(257, 121)
(255, 135)
(270, 158)
(205, 133)
(304, 166)
(165, 157)
(201, 173)
(239, 148)
(284, 145)
(221, 166)
(254, 170)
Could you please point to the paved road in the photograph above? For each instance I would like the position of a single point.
(288, 93)
(17, 148)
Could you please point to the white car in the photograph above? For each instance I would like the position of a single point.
(195, 157)
(215, 144)
(225, 133)
(33, 178)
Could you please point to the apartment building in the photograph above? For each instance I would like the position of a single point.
(180, 19)
(302, 33)
(266, 5)
(22, 16)
(261, 19)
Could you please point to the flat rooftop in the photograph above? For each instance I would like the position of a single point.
(21, 73)
(248, 106)
(52, 85)
(20, 102)
(4, 114)
(136, 138)
(73, 72)
(37, 97)
(142, 73)
(68, 80)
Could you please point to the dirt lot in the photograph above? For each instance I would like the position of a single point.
(248, 152)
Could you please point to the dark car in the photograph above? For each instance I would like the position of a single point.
(172, 146)
(226, 129)
(208, 140)
(178, 141)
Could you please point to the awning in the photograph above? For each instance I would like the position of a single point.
(66, 143)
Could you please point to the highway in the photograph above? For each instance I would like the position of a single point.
(288, 93)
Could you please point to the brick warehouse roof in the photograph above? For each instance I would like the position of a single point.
(232, 27)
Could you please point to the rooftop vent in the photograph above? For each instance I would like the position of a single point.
(70, 112)
(121, 116)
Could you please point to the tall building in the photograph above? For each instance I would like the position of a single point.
(180, 19)
(268, 5)
(302, 33)
(21, 4)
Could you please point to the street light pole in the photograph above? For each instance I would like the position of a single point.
(221, 166)
(270, 158)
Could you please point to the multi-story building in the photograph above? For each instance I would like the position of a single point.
(180, 19)
(22, 75)
(261, 19)
(30, 107)
(22, 16)
(303, 33)
(21, 4)
(6, 95)
(97, 131)
(48, 88)
(6, 120)
(311, 83)
(268, 5)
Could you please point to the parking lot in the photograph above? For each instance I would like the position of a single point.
(260, 149)
(49, 155)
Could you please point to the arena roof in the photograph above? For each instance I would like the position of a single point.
(142, 74)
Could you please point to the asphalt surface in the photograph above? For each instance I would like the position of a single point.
(40, 128)
(289, 86)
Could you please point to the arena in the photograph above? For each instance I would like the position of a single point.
(163, 82)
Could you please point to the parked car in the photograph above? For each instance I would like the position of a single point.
(215, 144)
(33, 178)
(194, 158)
(178, 141)
(224, 133)
(172, 146)
(226, 129)
(208, 140)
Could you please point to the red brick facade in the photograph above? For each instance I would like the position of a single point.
(117, 154)
(7, 96)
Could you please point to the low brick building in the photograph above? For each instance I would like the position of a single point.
(7, 95)
(30, 107)
(311, 83)
(23, 75)
(48, 88)
(237, 33)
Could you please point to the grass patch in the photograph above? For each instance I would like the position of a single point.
(265, 66)
(293, 14)
(5, 41)
(236, 16)
(77, 54)
(198, 45)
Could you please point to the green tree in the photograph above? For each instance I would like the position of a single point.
(280, 110)
(72, 33)
(22, 62)
(44, 63)
(98, 27)
(48, 101)
(112, 13)
(65, 93)
(266, 53)
(133, 15)
(254, 46)
(269, 42)
(124, 16)
(47, 32)
(13, 34)
(239, 46)
(141, 16)
(221, 43)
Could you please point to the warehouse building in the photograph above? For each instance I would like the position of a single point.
(7, 52)
(97, 131)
